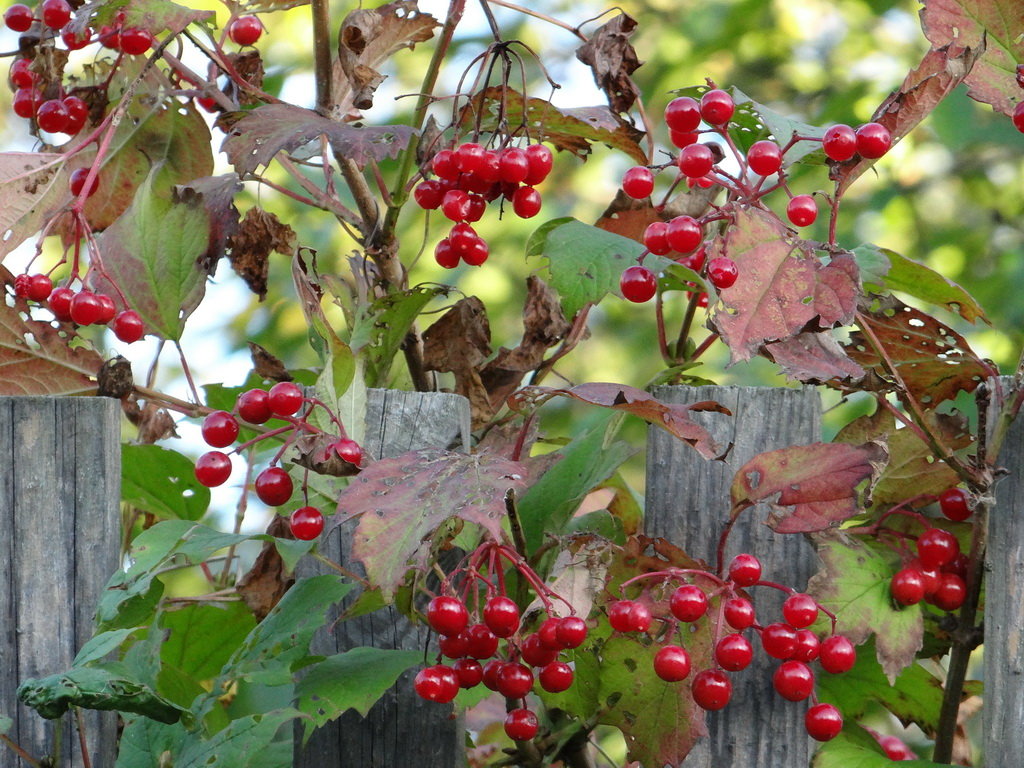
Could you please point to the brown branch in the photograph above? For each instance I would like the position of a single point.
(322, 56)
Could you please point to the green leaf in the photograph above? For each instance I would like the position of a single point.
(101, 645)
(200, 637)
(5, 724)
(856, 748)
(162, 482)
(355, 680)
(783, 129)
(145, 742)
(152, 15)
(886, 270)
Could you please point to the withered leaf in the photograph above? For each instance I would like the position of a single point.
(266, 365)
(459, 342)
(263, 586)
(249, 66)
(612, 58)
(115, 378)
(153, 422)
(217, 194)
(813, 358)
(259, 233)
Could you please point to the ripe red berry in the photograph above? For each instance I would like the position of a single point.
(638, 182)
(716, 107)
(513, 165)
(349, 450)
(76, 42)
(800, 610)
(86, 308)
(445, 255)
(957, 565)
(722, 272)
(469, 672)
(39, 287)
(802, 210)
(491, 670)
(18, 17)
(954, 504)
(438, 683)
(745, 570)
(107, 307)
(548, 633)
(638, 284)
(535, 653)
(78, 113)
(135, 41)
(26, 101)
(60, 303)
(110, 37)
(895, 749)
(526, 202)
(680, 140)
(656, 238)
(873, 140)
(55, 13)
(951, 592)
(1018, 116)
(936, 547)
(219, 429)
(629, 616)
(684, 234)
(839, 142)
(455, 205)
(672, 663)
(21, 74)
(807, 645)
(739, 613)
(556, 677)
(501, 615)
(837, 654)
(907, 586)
(793, 680)
(285, 398)
(779, 641)
(306, 523)
(764, 158)
(711, 689)
(696, 160)
(452, 646)
(571, 632)
(481, 643)
(447, 615)
(688, 602)
(213, 468)
(521, 725)
(273, 486)
(470, 157)
(823, 722)
(514, 680)
(245, 30)
(734, 652)
(21, 284)
(541, 161)
(253, 406)
(682, 115)
(429, 194)
(52, 116)
(77, 182)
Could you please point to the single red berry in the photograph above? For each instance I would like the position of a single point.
(716, 107)
(501, 615)
(535, 653)
(722, 272)
(672, 663)
(77, 182)
(521, 725)
(444, 166)
(656, 238)
(556, 677)
(936, 547)
(541, 161)
(638, 182)
(447, 615)
(955, 504)
(895, 749)
(429, 194)
(764, 158)
(571, 632)
(638, 284)
(802, 210)
(107, 309)
(128, 326)
(445, 255)
(481, 643)
(739, 613)
(469, 672)
(52, 116)
(907, 586)
(807, 645)
(800, 610)
(76, 42)
(475, 208)
(491, 671)
(213, 468)
(696, 160)
(951, 592)
(26, 101)
(55, 13)
(110, 37)
(285, 398)
(629, 616)
(273, 486)
(306, 523)
(470, 157)
(526, 202)
(219, 429)
(684, 234)
(18, 17)
(682, 115)
(349, 450)
(135, 41)
(86, 308)
(873, 140)
(839, 143)
(734, 652)
(681, 139)
(513, 165)
(253, 406)
(548, 633)
(779, 641)
(930, 576)
(39, 287)
(745, 570)
(823, 722)
(245, 30)
(78, 113)
(957, 565)
(438, 683)
(21, 285)
(60, 303)
(688, 602)
(1018, 116)
(837, 654)
(515, 680)
(711, 689)
(455, 205)
(21, 74)
(793, 680)
(453, 646)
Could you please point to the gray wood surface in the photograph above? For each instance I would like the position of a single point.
(60, 479)
(687, 503)
(402, 729)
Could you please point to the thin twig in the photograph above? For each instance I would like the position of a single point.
(322, 56)
(20, 752)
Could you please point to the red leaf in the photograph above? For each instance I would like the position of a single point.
(810, 487)
(813, 358)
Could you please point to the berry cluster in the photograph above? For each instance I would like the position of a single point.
(273, 485)
(791, 641)
(82, 308)
(470, 176)
(681, 238)
(490, 646)
(937, 575)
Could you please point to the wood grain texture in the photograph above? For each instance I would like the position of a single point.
(60, 479)
(687, 503)
(402, 729)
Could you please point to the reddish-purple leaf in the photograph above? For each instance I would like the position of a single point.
(809, 487)
(411, 504)
(33, 185)
(835, 296)
(813, 358)
(675, 419)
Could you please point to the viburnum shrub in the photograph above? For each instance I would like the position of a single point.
(556, 626)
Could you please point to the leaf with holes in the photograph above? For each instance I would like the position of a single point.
(38, 359)
(932, 360)
(813, 358)
(155, 16)
(409, 504)
(612, 59)
(783, 129)
(32, 186)
(809, 487)
(162, 482)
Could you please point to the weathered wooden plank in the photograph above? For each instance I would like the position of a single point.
(61, 489)
(401, 729)
(687, 503)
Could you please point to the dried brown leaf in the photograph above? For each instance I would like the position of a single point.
(115, 378)
(153, 422)
(266, 366)
(612, 58)
(263, 586)
(259, 233)
(217, 194)
(33, 185)
(459, 342)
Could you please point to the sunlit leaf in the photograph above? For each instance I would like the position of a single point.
(32, 184)
(162, 482)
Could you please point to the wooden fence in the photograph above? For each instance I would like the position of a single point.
(59, 482)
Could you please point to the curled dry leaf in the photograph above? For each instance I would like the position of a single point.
(459, 343)
(259, 233)
(612, 58)
(115, 378)
(153, 422)
(217, 195)
(266, 365)
(263, 585)
(249, 66)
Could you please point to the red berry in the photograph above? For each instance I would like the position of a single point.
(722, 272)
(107, 309)
(556, 677)
(656, 238)
(21, 284)
(481, 643)
(764, 158)
(779, 641)
(802, 210)
(245, 30)
(447, 615)
(526, 202)
(213, 468)
(954, 504)
(936, 547)
(306, 523)
(86, 308)
(444, 166)
(514, 680)
(696, 160)
(469, 672)
(895, 749)
(60, 303)
(629, 616)
(429, 194)
(682, 115)
(873, 140)
(688, 602)
(455, 205)
(951, 592)
(445, 255)
(957, 565)
(135, 41)
(219, 429)
(823, 722)
(793, 680)
(681, 139)
(253, 406)
(491, 671)
(285, 398)
(76, 42)
(745, 570)
(39, 287)
(535, 653)
(110, 37)
(672, 663)
(469, 157)
(807, 645)
(839, 142)
(521, 725)
(438, 683)
(739, 613)
(638, 284)
(716, 107)
(734, 652)
(18, 17)
(548, 633)
(349, 450)
(541, 161)
(273, 486)
(26, 102)
(1018, 116)
(55, 13)
(837, 654)
(21, 74)
(638, 182)
(453, 646)
(77, 182)
(930, 576)
(513, 166)
(684, 234)
(571, 632)
(800, 610)
(501, 615)
(907, 586)
(711, 689)
(78, 113)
